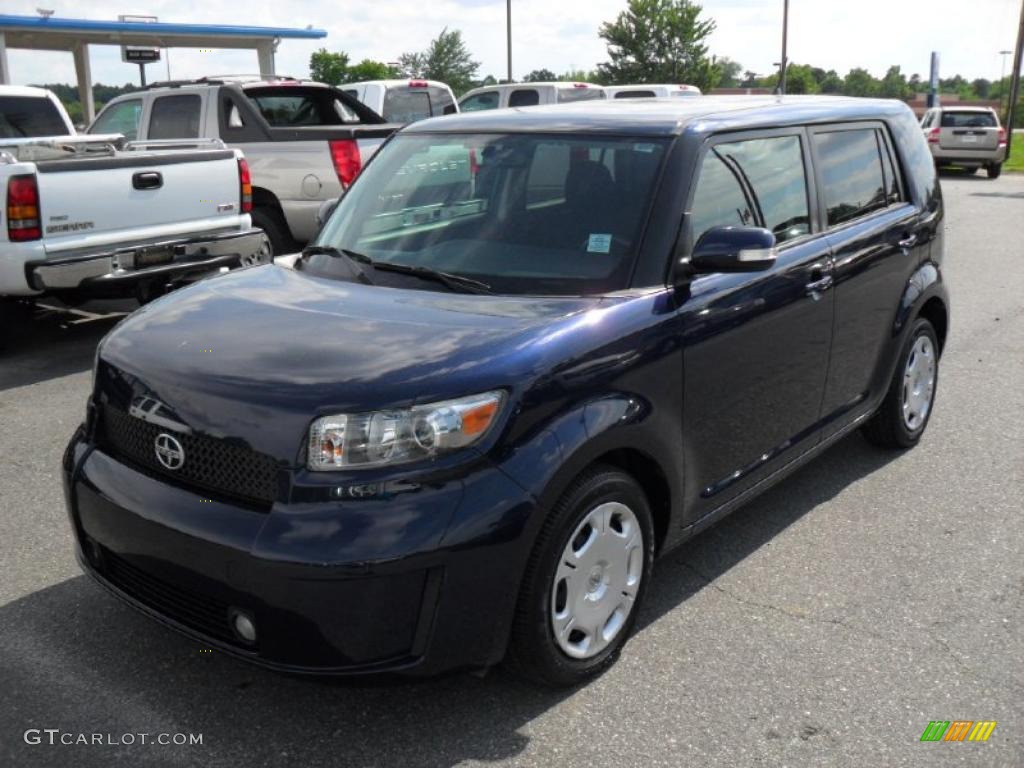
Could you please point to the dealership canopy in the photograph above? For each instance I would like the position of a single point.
(49, 33)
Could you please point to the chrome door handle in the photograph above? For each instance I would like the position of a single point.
(818, 286)
(907, 242)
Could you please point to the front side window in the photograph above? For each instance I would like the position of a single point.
(479, 102)
(851, 173)
(122, 117)
(175, 117)
(753, 183)
(524, 213)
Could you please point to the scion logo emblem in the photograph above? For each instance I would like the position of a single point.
(169, 451)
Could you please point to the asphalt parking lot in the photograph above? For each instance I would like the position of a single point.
(824, 624)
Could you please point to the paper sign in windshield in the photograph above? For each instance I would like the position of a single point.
(599, 244)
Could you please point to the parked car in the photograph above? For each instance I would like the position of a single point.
(27, 112)
(487, 397)
(304, 141)
(88, 216)
(527, 95)
(645, 91)
(968, 137)
(404, 101)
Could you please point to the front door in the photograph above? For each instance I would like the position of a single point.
(756, 345)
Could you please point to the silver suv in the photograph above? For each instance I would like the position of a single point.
(968, 137)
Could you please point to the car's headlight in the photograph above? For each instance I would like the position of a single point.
(356, 440)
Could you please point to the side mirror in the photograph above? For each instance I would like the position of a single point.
(732, 249)
(325, 210)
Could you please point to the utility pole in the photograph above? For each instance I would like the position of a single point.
(1015, 82)
(783, 63)
(1002, 75)
(508, 31)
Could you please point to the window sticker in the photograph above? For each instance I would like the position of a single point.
(645, 148)
(599, 243)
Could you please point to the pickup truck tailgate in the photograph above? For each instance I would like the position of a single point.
(134, 190)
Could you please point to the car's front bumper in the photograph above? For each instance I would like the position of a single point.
(435, 592)
(113, 270)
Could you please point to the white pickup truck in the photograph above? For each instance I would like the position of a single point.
(305, 141)
(88, 216)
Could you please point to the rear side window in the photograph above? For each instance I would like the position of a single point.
(29, 116)
(753, 183)
(635, 95)
(406, 105)
(122, 117)
(525, 97)
(293, 107)
(175, 117)
(480, 101)
(968, 120)
(851, 173)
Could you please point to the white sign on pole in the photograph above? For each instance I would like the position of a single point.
(135, 54)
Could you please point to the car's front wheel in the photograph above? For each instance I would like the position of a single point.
(585, 580)
(902, 417)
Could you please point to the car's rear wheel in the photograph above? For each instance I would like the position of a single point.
(994, 170)
(273, 225)
(901, 419)
(585, 580)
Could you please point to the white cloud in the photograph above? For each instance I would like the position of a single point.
(558, 34)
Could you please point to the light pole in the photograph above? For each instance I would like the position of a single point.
(782, 64)
(508, 31)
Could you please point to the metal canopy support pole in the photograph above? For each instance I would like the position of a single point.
(5, 72)
(84, 74)
(785, 33)
(508, 33)
(265, 55)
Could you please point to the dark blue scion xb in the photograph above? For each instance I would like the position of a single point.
(529, 352)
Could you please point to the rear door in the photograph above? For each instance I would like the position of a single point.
(968, 130)
(876, 245)
(756, 345)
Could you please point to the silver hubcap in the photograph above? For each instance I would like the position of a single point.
(597, 580)
(918, 383)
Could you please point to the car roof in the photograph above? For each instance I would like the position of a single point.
(955, 108)
(665, 116)
(24, 90)
(551, 83)
(397, 81)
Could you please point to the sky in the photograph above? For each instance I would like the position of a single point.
(554, 34)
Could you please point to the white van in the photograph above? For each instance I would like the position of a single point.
(527, 95)
(650, 91)
(404, 101)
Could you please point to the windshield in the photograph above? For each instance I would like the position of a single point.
(524, 214)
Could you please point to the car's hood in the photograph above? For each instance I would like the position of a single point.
(258, 353)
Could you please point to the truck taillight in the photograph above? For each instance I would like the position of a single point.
(1002, 137)
(244, 186)
(23, 208)
(419, 84)
(346, 159)
(933, 136)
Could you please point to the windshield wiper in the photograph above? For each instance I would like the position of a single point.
(356, 259)
(455, 282)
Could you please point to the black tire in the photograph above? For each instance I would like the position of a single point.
(533, 651)
(887, 428)
(969, 170)
(994, 170)
(272, 223)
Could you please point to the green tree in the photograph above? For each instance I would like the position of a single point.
(582, 76)
(368, 69)
(981, 87)
(894, 84)
(658, 41)
(728, 72)
(327, 67)
(800, 79)
(540, 76)
(859, 82)
(447, 59)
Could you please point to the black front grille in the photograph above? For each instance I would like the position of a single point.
(192, 609)
(217, 468)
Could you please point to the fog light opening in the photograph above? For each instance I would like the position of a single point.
(243, 625)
